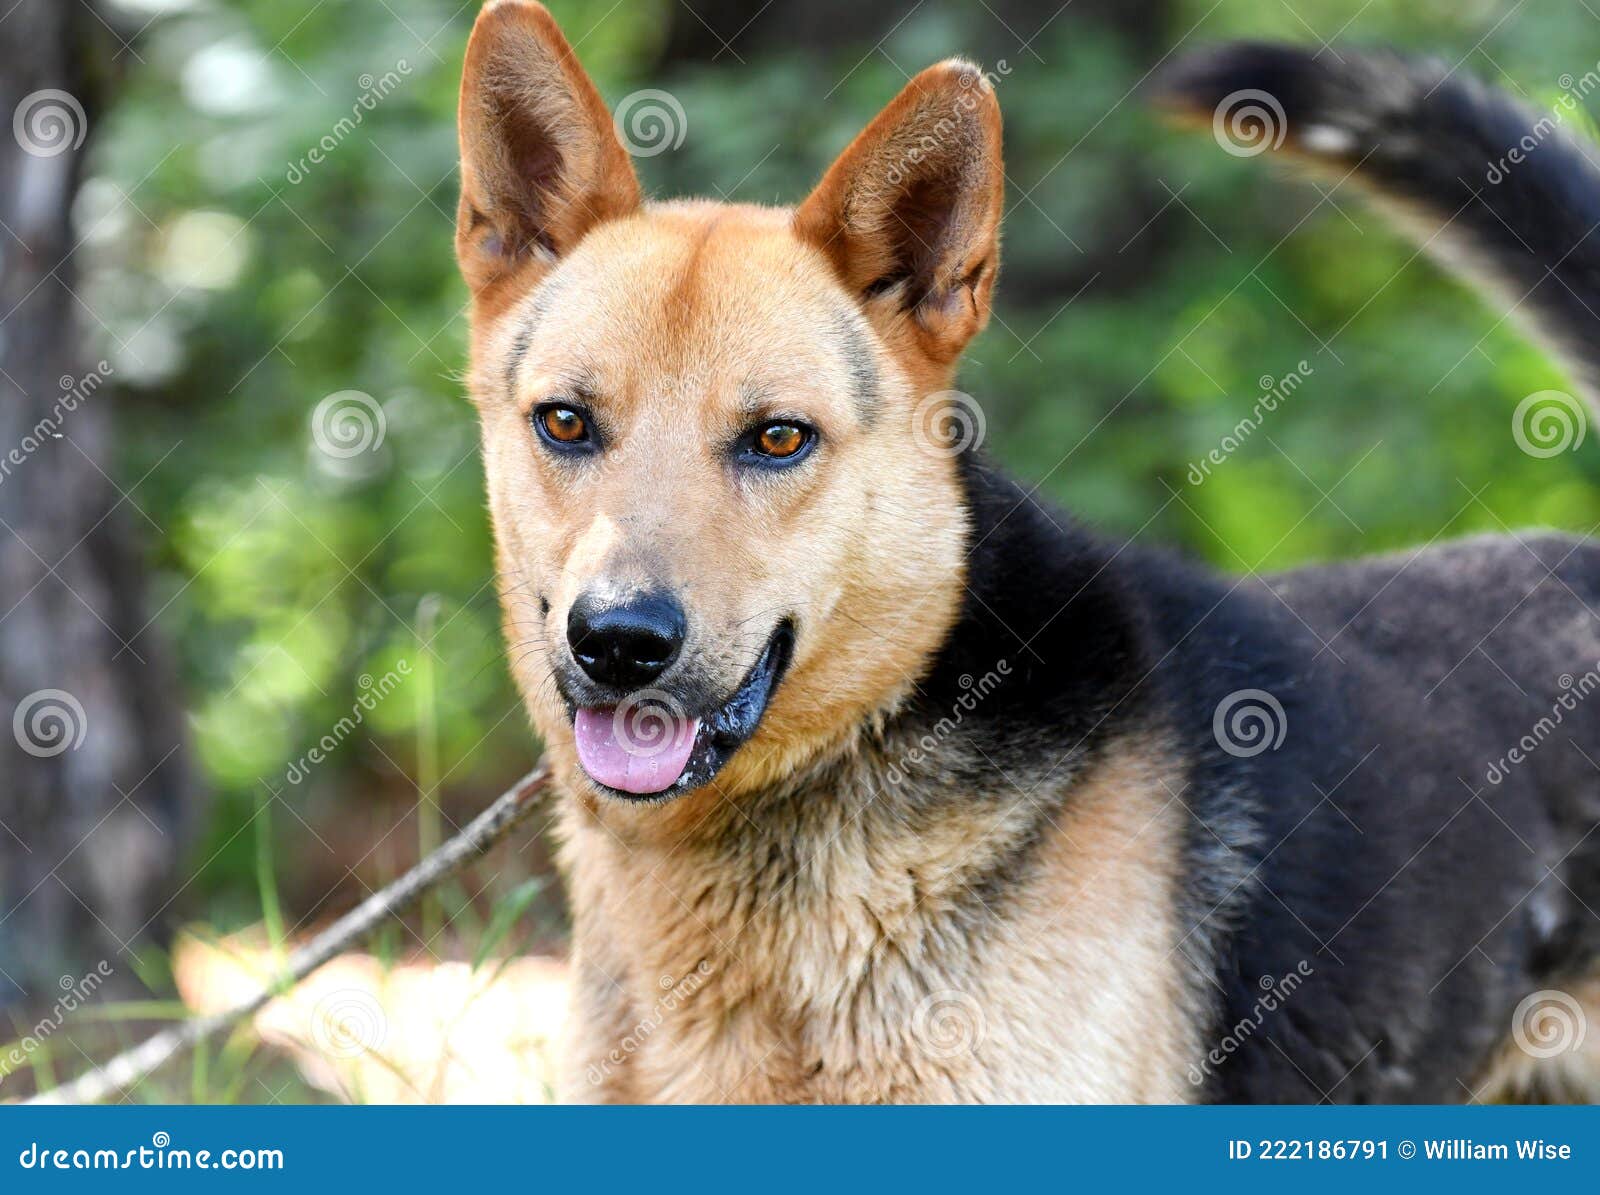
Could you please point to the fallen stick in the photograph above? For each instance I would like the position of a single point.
(482, 833)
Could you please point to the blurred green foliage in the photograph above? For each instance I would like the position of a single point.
(1151, 281)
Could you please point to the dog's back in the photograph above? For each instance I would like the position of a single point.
(1430, 834)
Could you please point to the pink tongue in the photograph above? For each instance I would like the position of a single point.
(637, 749)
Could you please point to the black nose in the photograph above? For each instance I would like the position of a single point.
(626, 644)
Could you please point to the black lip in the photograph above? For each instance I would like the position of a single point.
(725, 729)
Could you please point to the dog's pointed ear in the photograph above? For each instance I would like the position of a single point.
(909, 214)
(540, 161)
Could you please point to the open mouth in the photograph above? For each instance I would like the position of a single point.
(648, 746)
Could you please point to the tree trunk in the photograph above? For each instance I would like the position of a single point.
(93, 779)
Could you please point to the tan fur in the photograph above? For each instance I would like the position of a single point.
(870, 546)
(850, 979)
(1563, 1064)
(525, 105)
(760, 939)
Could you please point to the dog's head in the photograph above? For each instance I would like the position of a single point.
(728, 517)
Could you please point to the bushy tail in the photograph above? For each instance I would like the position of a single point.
(1505, 195)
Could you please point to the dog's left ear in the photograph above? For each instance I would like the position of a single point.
(540, 160)
(909, 214)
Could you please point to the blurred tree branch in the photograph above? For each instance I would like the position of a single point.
(508, 811)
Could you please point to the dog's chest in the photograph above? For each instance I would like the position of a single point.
(878, 965)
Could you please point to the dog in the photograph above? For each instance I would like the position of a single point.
(879, 780)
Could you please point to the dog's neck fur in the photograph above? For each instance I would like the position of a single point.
(808, 917)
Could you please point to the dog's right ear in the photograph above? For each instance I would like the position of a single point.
(909, 214)
(540, 161)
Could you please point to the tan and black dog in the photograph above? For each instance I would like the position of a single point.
(881, 782)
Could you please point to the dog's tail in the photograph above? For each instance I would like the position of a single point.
(1503, 194)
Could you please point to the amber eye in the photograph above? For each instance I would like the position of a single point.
(780, 440)
(561, 425)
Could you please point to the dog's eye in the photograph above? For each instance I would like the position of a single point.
(780, 440)
(778, 443)
(562, 425)
(565, 424)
